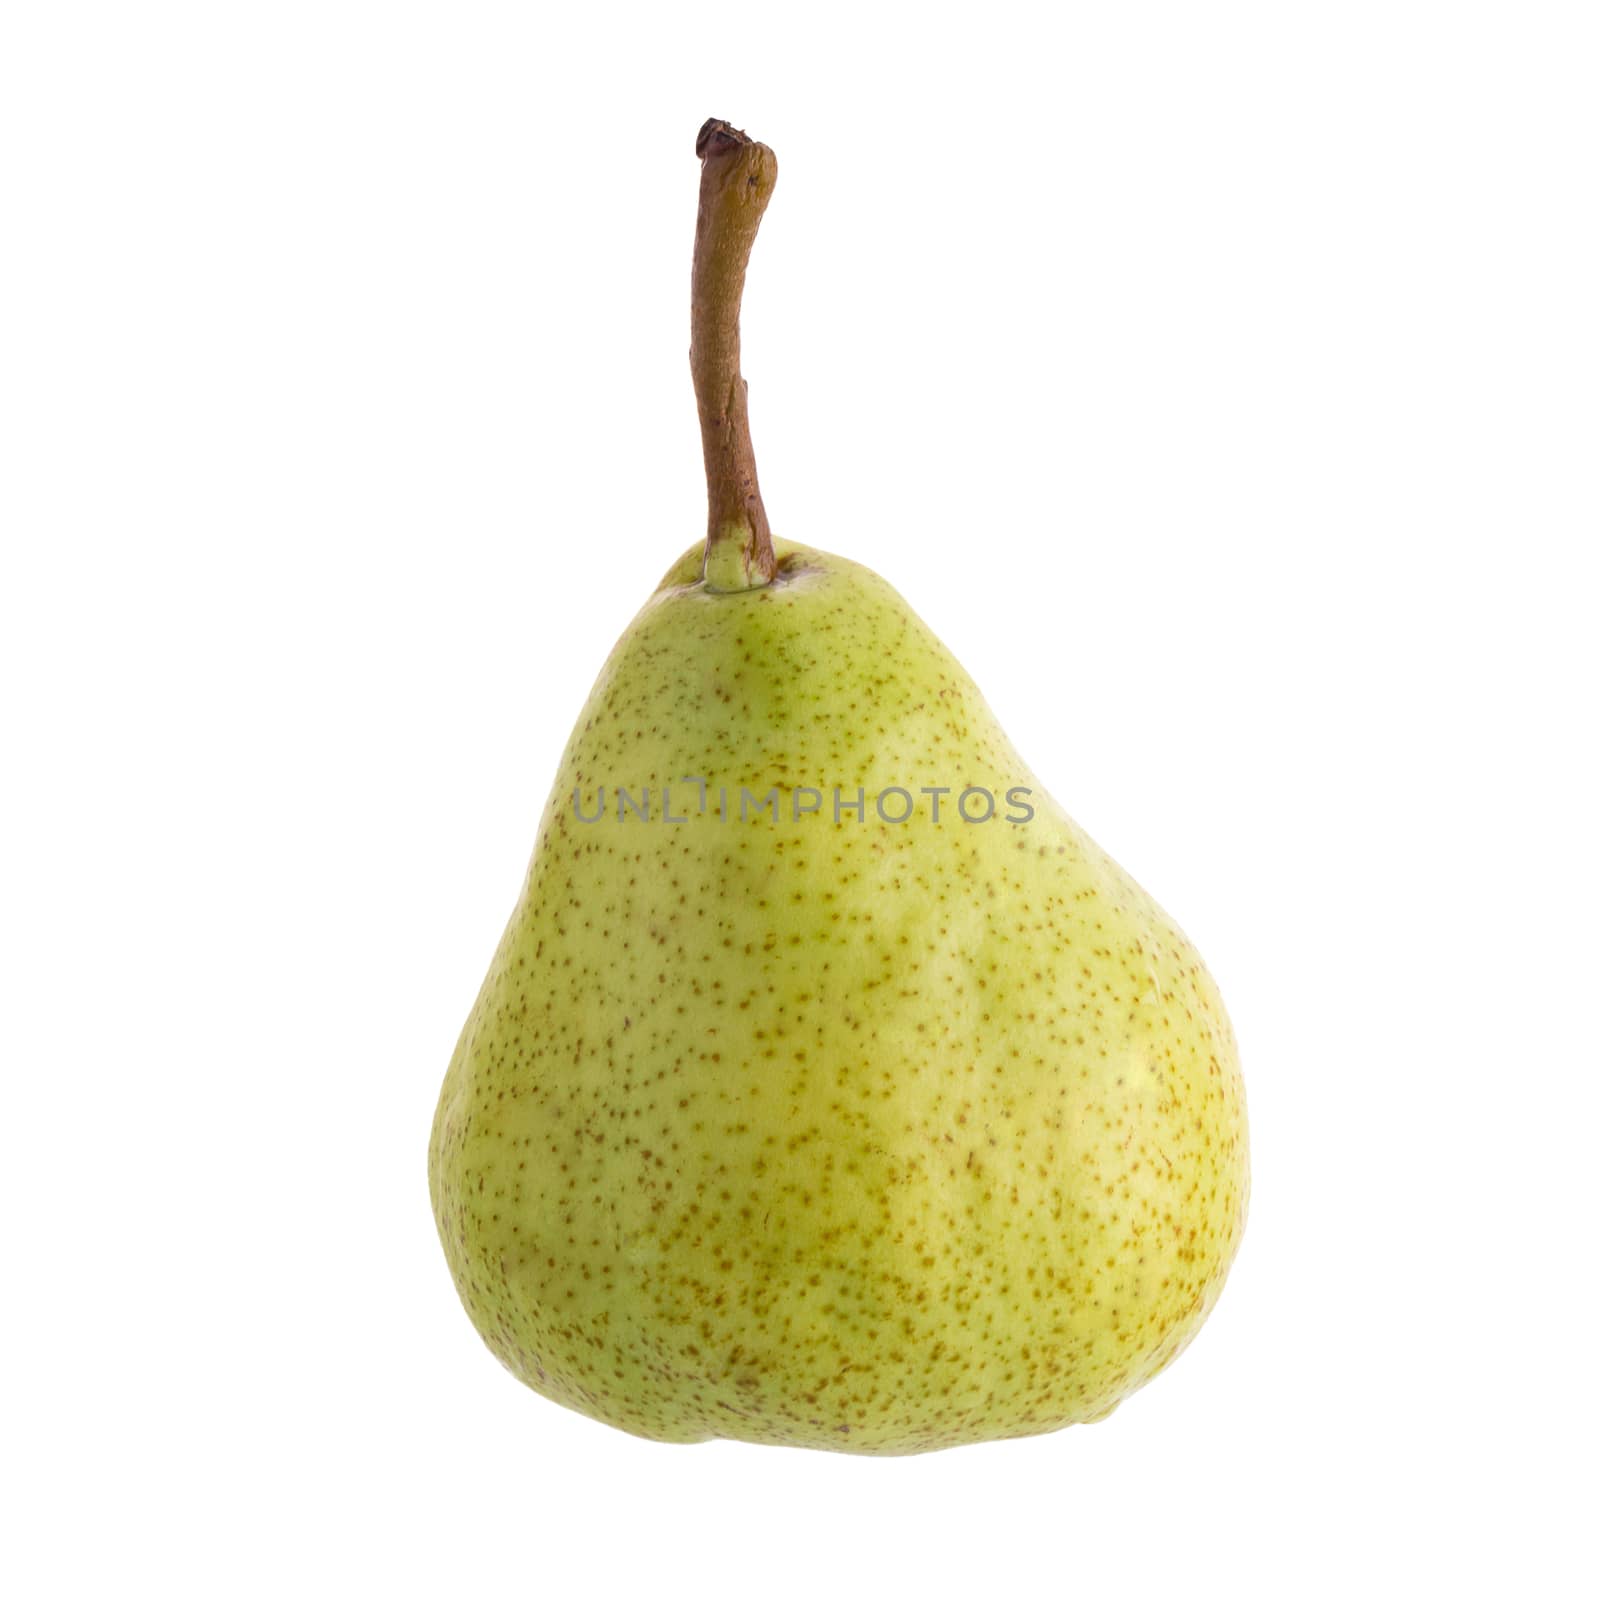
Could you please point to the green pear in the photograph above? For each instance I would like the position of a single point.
(829, 1086)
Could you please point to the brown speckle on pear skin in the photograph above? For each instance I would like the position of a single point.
(860, 1136)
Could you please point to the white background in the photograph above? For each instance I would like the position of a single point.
(1221, 382)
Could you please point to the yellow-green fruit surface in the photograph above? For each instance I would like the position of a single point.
(851, 1134)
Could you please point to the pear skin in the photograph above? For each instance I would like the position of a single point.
(808, 1126)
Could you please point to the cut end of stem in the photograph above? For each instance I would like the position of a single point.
(736, 180)
(722, 135)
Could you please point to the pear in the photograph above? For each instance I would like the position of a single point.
(829, 1086)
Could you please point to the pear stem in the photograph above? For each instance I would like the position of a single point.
(736, 181)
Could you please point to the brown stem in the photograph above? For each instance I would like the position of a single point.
(736, 180)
